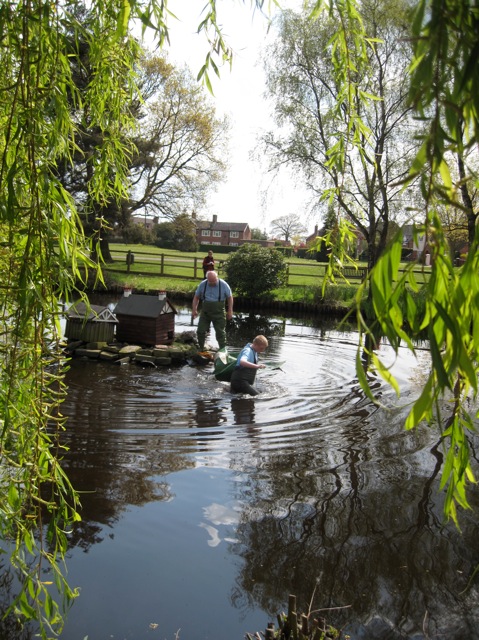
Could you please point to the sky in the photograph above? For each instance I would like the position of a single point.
(248, 193)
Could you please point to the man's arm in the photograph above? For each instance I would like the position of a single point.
(244, 362)
(194, 307)
(229, 310)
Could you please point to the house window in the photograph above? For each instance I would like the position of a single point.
(234, 234)
(233, 244)
(216, 234)
(205, 232)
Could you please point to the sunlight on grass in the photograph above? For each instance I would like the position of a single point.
(305, 276)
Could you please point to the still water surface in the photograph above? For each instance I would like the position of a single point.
(202, 510)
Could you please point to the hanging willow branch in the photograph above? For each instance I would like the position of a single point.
(444, 92)
(44, 253)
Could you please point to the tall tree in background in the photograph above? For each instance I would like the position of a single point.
(468, 182)
(179, 233)
(176, 147)
(80, 172)
(257, 234)
(180, 145)
(287, 226)
(458, 212)
(362, 180)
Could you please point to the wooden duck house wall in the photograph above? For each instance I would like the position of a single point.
(90, 324)
(144, 319)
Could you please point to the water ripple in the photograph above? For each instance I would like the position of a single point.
(314, 391)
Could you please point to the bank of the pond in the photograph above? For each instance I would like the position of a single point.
(261, 305)
(183, 349)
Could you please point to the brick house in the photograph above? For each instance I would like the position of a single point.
(232, 234)
(145, 221)
(416, 247)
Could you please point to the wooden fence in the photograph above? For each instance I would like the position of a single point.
(180, 266)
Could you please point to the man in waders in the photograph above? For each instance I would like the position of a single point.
(244, 374)
(213, 293)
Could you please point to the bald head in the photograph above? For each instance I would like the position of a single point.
(212, 278)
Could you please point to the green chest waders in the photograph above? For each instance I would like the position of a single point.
(242, 380)
(212, 312)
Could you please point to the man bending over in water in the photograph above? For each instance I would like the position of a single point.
(244, 374)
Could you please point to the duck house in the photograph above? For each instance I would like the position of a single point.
(144, 319)
(90, 323)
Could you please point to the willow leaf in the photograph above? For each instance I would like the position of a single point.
(421, 409)
(362, 379)
(385, 373)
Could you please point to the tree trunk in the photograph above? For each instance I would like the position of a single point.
(467, 200)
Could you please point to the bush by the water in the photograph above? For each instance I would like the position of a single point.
(253, 270)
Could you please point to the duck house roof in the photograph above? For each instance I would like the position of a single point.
(143, 306)
(92, 313)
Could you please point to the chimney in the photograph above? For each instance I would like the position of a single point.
(127, 291)
(161, 295)
(215, 218)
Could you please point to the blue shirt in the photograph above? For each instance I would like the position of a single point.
(250, 353)
(219, 292)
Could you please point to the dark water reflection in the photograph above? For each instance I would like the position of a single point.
(202, 511)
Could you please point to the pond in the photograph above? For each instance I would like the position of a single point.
(202, 511)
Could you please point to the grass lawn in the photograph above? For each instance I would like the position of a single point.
(155, 269)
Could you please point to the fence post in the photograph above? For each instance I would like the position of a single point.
(162, 264)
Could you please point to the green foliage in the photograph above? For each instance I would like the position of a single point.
(338, 242)
(257, 234)
(254, 270)
(44, 112)
(137, 233)
(44, 253)
(449, 317)
(179, 234)
(444, 83)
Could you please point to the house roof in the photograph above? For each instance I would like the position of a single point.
(143, 306)
(92, 313)
(221, 226)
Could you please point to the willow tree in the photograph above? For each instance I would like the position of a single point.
(444, 93)
(44, 251)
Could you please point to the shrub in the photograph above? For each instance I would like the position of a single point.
(254, 270)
